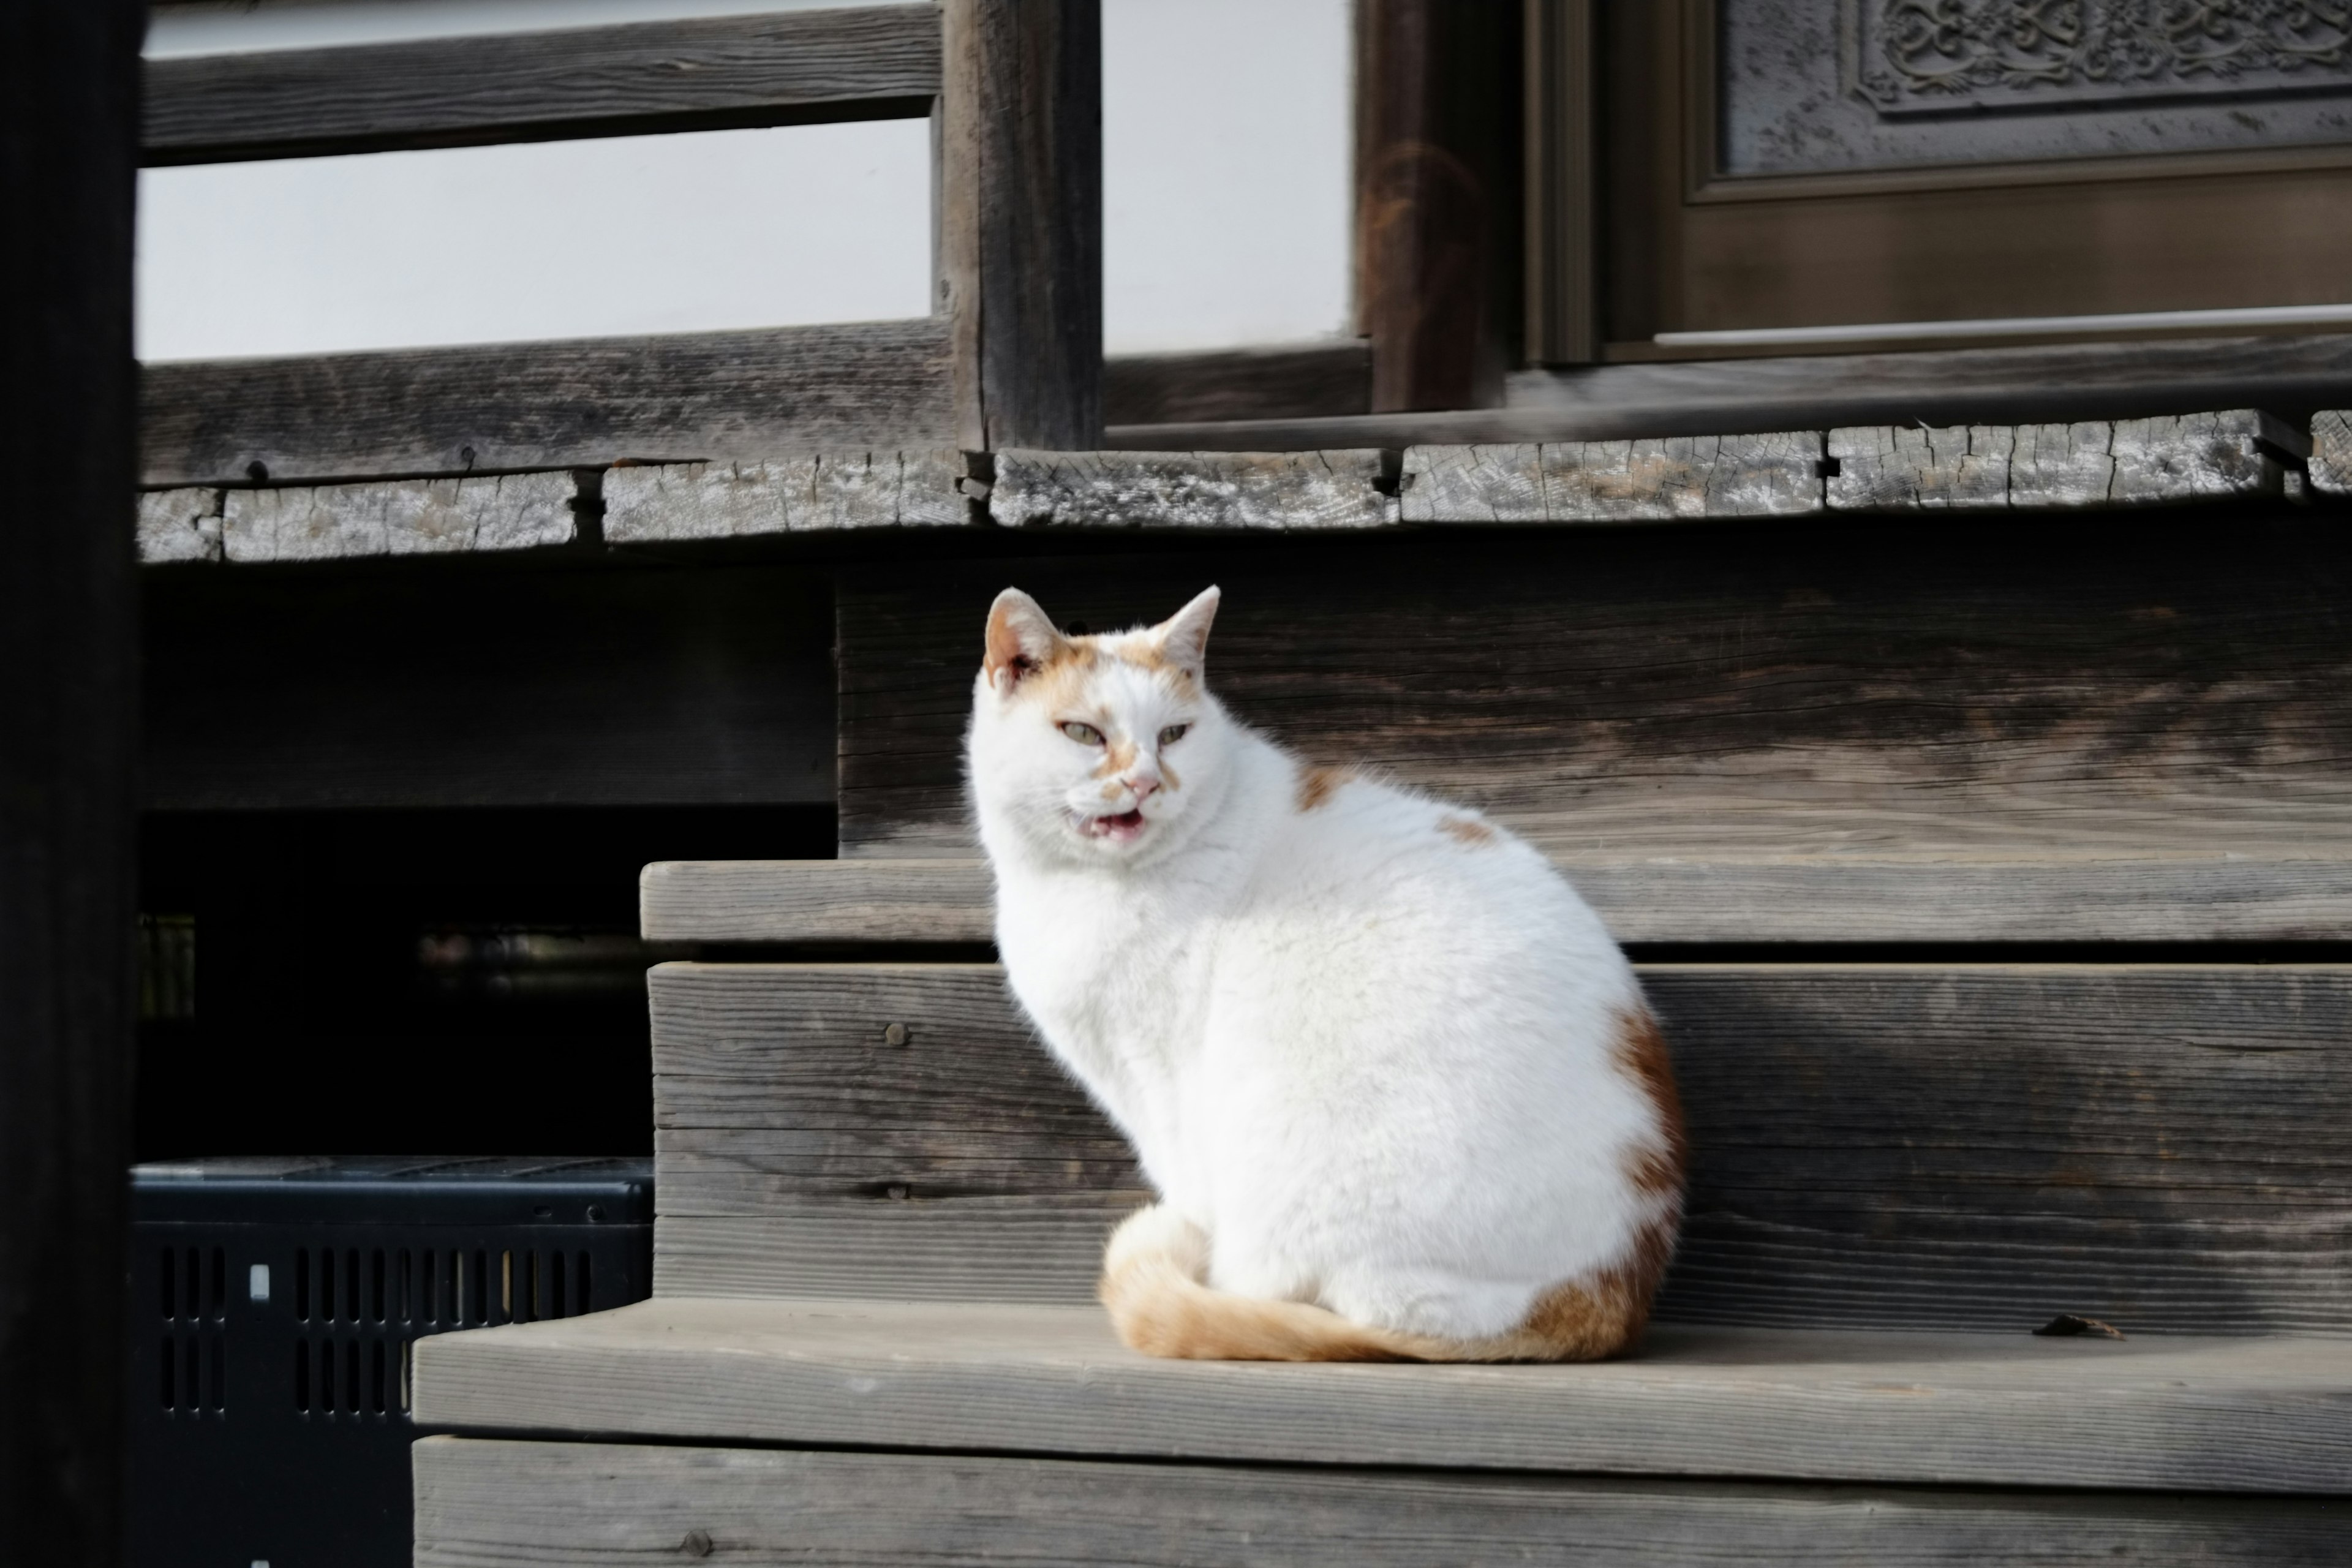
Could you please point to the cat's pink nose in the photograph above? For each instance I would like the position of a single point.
(1141, 787)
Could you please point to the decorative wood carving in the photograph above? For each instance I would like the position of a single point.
(1912, 56)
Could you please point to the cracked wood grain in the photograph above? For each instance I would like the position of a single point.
(2161, 461)
(1276, 490)
(632, 77)
(658, 503)
(398, 517)
(2331, 452)
(1670, 479)
(488, 1503)
(1888, 1146)
(179, 525)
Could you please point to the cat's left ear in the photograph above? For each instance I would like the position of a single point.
(1184, 638)
(1021, 639)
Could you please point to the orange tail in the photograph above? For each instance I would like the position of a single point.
(1152, 1285)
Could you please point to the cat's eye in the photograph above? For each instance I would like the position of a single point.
(1173, 733)
(1085, 734)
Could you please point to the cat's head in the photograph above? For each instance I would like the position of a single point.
(1101, 749)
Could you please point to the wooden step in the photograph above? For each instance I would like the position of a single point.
(2159, 1413)
(1788, 899)
(487, 1503)
(1874, 1146)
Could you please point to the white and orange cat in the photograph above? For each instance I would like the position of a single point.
(1396, 1087)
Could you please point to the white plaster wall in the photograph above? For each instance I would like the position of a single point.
(1226, 193)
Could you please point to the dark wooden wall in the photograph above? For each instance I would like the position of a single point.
(68, 120)
(461, 685)
(1869, 685)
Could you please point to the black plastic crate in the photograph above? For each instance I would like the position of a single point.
(274, 1303)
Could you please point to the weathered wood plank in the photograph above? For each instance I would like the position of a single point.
(179, 525)
(398, 517)
(2132, 462)
(624, 78)
(1873, 1146)
(1019, 177)
(661, 503)
(1287, 381)
(2159, 1413)
(2331, 452)
(2062, 384)
(1045, 1251)
(1881, 1146)
(1673, 477)
(584, 402)
(1826, 898)
(438, 685)
(815, 900)
(1277, 490)
(2116, 687)
(484, 1503)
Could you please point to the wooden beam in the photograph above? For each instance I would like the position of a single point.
(1278, 491)
(1284, 382)
(1883, 1146)
(2237, 454)
(1676, 478)
(2287, 375)
(1759, 900)
(582, 403)
(396, 517)
(703, 73)
(2153, 1414)
(668, 503)
(2331, 452)
(1020, 220)
(483, 1503)
(68, 707)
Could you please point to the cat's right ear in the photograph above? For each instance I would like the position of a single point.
(1022, 639)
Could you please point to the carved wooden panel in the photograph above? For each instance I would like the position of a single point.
(1807, 87)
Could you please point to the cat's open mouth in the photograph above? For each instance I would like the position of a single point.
(1119, 830)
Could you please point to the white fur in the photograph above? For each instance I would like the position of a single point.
(1371, 1062)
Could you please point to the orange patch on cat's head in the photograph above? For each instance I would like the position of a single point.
(1466, 830)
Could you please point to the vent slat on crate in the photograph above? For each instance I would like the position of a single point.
(301, 1374)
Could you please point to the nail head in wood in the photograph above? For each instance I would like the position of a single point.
(697, 1543)
(894, 1035)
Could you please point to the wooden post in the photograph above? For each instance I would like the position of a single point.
(1020, 220)
(1438, 146)
(69, 106)
(1563, 286)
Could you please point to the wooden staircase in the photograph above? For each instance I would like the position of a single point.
(1989, 864)
(1974, 799)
